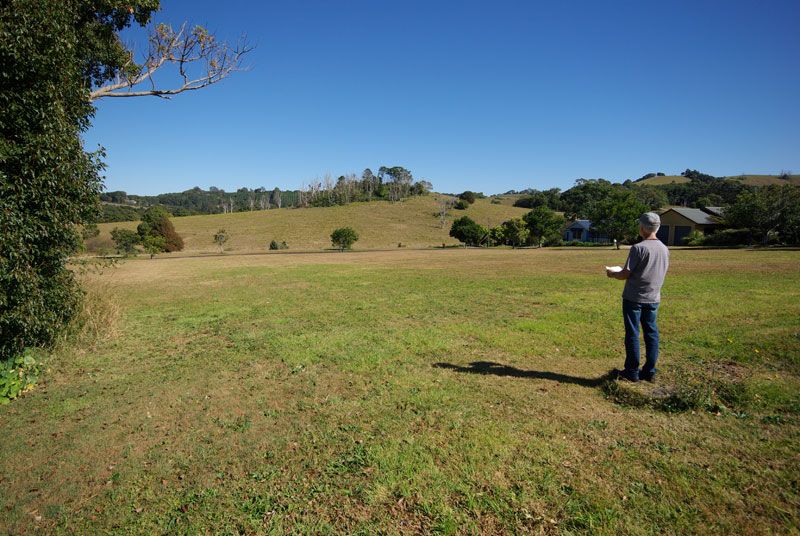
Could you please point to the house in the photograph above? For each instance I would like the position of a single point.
(582, 231)
(678, 222)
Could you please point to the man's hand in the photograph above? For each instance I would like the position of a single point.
(624, 274)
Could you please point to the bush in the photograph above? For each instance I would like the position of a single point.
(344, 238)
(496, 201)
(465, 230)
(728, 237)
(468, 196)
(695, 238)
(553, 241)
(275, 245)
(125, 240)
(461, 205)
(17, 375)
(156, 222)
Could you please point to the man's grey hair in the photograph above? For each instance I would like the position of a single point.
(650, 221)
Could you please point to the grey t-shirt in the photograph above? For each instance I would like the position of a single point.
(648, 262)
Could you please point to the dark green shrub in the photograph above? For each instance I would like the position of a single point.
(468, 196)
(274, 245)
(729, 237)
(461, 205)
(465, 230)
(344, 238)
(156, 222)
(17, 375)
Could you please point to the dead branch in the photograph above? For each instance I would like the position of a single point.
(201, 61)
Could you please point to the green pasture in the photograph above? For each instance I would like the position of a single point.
(445, 392)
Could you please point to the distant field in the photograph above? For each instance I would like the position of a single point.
(752, 180)
(406, 392)
(380, 225)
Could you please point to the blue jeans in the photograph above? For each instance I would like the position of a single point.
(635, 313)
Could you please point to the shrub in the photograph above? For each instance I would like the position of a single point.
(695, 238)
(553, 240)
(465, 230)
(275, 245)
(468, 196)
(17, 375)
(156, 222)
(344, 238)
(461, 205)
(220, 238)
(496, 201)
(154, 245)
(728, 237)
(125, 240)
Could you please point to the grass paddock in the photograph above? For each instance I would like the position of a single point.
(449, 391)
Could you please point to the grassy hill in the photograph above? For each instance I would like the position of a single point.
(379, 224)
(751, 180)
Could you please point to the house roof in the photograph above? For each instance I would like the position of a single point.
(583, 224)
(694, 214)
(716, 211)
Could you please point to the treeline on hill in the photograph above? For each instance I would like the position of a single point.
(390, 183)
(751, 214)
(700, 191)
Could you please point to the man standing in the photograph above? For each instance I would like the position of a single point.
(643, 273)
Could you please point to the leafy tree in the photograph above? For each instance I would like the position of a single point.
(220, 238)
(153, 244)
(770, 213)
(580, 200)
(461, 204)
(468, 196)
(51, 52)
(126, 241)
(542, 224)
(617, 215)
(275, 198)
(344, 238)
(465, 230)
(650, 196)
(156, 222)
(515, 232)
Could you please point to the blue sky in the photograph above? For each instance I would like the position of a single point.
(487, 96)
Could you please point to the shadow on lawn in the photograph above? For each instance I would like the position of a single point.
(489, 367)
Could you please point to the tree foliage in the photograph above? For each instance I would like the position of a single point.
(125, 240)
(770, 213)
(344, 238)
(465, 230)
(515, 232)
(467, 196)
(156, 222)
(51, 54)
(617, 215)
(543, 224)
(154, 245)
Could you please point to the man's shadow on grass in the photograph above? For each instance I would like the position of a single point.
(496, 369)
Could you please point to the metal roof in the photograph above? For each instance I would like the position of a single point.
(694, 214)
(583, 224)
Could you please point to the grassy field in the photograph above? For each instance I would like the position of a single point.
(404, 392)
(379, 224)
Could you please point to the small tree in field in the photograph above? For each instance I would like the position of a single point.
(344, 238)
(465, 230)
(220, 238)
(126, 241)
(154, 245)
(543, 223)
(515, 233)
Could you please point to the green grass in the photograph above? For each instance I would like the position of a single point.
(449, 391)
(380, 225)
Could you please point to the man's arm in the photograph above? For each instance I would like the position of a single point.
(624, 274)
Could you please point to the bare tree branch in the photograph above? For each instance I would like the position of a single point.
(200, 58)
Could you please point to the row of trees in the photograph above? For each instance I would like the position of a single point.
(390, 183)
(539, 227)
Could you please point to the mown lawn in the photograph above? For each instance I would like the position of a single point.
(450, 391)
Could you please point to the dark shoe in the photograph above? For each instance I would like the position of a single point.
(621, 375)
(648, 378)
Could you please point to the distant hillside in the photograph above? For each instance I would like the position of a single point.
(750, 180)
(380, 225)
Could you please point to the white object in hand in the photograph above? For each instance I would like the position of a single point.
(614, 269)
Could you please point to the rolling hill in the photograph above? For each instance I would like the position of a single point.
(380, 225)
(750, 180)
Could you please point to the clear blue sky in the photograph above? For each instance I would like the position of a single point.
(487, 96)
